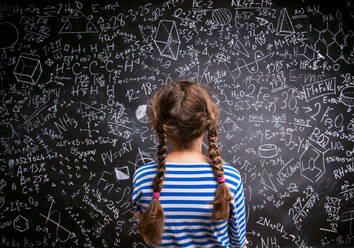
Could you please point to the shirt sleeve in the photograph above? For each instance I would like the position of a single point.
(237, 222)
(136, 195)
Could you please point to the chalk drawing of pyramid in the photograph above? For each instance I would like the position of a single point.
(285, 26)
(78, 23)
(122, 173)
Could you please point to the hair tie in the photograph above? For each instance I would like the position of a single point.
(156, 195)
(221, 179)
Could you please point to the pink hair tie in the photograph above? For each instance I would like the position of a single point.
(156, 195)
(221, 179)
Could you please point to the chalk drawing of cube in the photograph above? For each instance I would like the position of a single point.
(312, 164)
(28, 70)
(167, 39)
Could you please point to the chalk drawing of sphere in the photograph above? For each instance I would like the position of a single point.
(142, 113)
(8, 34)
(221, 16)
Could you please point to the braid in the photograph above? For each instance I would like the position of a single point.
(161, 159)
(222, 193)
(151, 222)
(213, 151)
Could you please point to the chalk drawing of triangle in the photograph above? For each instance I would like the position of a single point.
(76, 23)
(4, 54)
(86, 111)
(15, 109)
(285, 26)
(266, 181)
(262, 21)
(241, 49)
(167, 52)
(230, 125)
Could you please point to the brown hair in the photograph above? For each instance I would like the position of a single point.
(183, 111)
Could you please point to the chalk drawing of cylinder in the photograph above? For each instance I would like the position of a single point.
(267, 150)
(28, 70)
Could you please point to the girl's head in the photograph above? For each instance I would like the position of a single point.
(183, 111)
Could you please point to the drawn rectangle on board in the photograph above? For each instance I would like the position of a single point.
(122, 173)
(320, 88)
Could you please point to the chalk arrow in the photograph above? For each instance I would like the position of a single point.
(307, 109)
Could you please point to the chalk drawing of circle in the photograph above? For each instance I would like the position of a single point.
(347, 97)
(267, 151)
(8, 34)
(221, 16)
(11, 163)
(141, 113)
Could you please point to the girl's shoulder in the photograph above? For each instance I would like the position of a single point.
(142, 169)
(231, 170)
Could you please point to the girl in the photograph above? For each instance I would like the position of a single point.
(187, 199)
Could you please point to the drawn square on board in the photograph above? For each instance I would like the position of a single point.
(167, 39)
(122, 173)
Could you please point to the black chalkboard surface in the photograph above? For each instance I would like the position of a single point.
(75, 82)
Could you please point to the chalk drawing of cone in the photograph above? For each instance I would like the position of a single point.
(347, 97)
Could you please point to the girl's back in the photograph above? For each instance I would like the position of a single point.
(188, 190)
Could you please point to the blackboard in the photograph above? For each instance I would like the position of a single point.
(76, 78)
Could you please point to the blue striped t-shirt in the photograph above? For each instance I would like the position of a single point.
(187, 191)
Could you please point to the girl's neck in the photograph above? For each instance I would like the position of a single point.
(190, 152)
